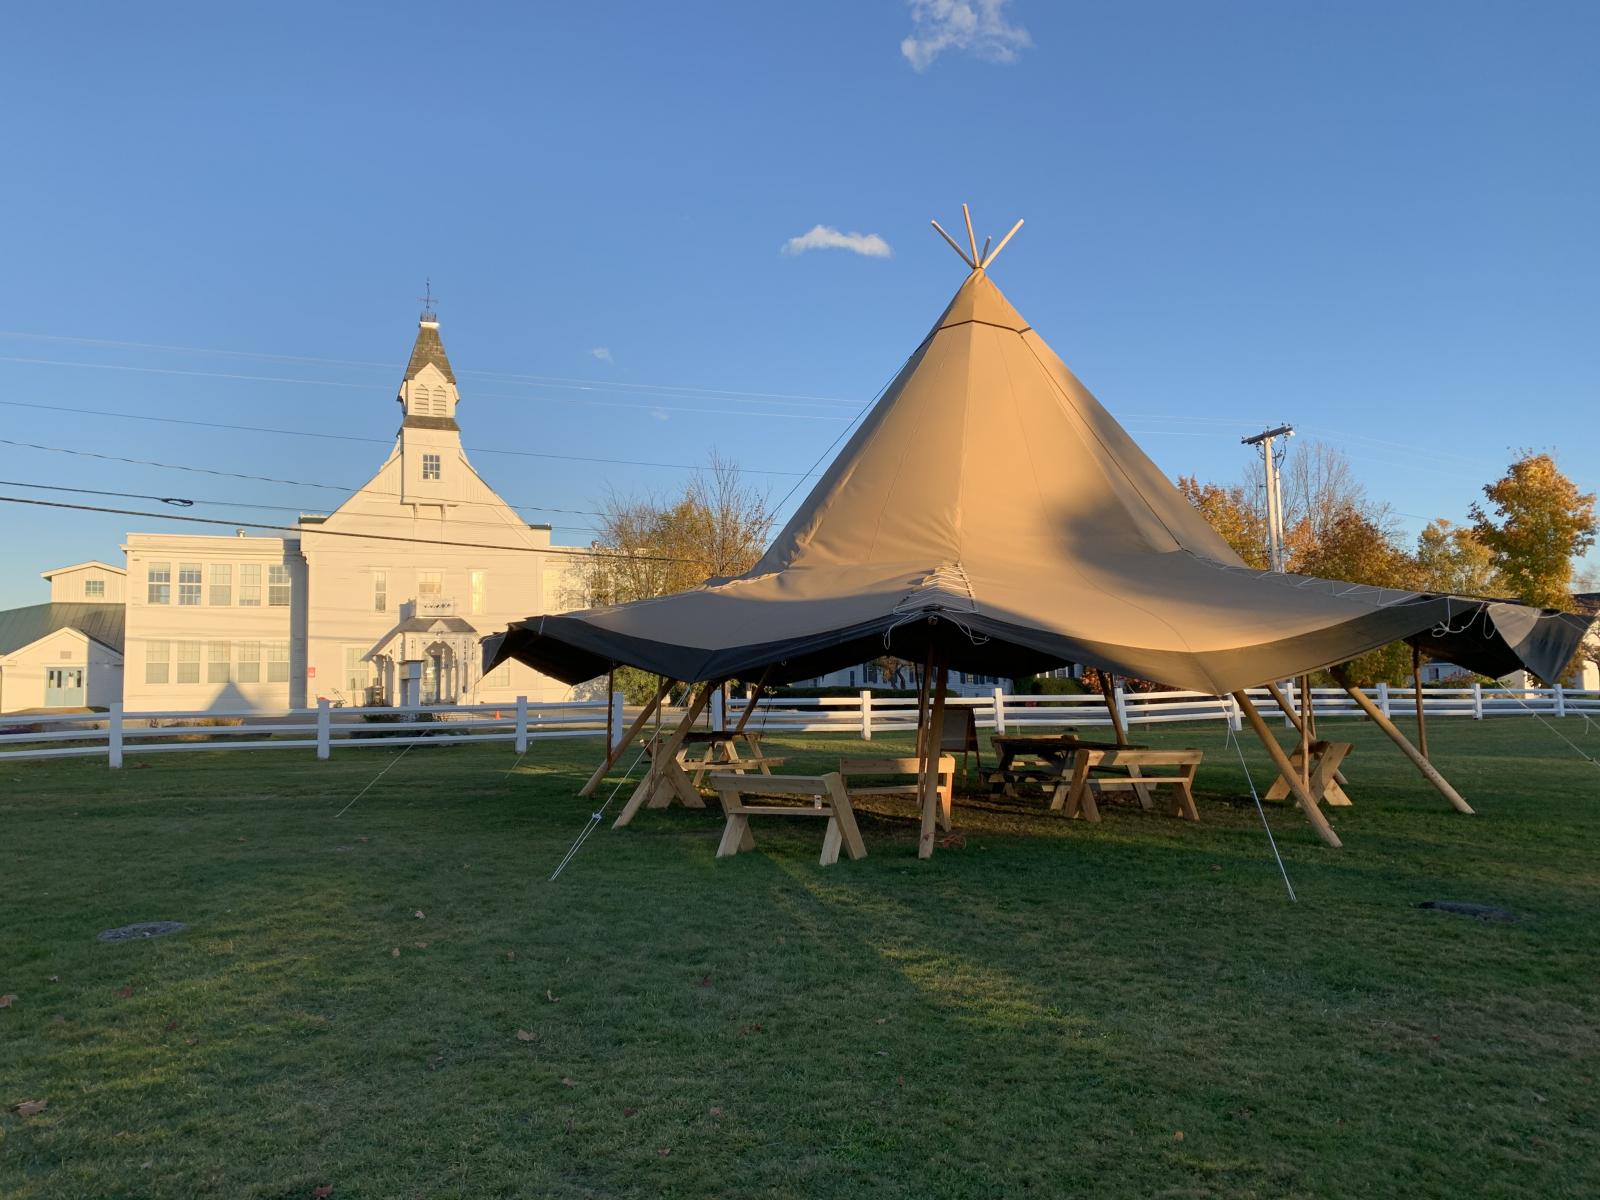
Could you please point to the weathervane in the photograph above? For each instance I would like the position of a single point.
(427, 300)
(975, 260)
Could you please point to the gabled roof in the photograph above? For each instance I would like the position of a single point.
(21, 627)
(93, 562)
(989, 510)
(429, 348)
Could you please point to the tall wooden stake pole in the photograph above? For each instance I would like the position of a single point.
(1108, 693)
(1294, 719)
(1422, 716)
(930, 761)
(1286, 769)
(614, 751)
(1399, 739)
(1305, 731)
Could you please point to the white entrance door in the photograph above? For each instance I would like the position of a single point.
(63, 687)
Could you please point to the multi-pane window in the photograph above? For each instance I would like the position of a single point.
(430, 466)
(380, 591)
(188, 662)
(249, 668)
(189, 578)
(480, 581)
(499, 677)
(217, 662)
(430, 584)
(94, 589)
(158, 582)
(250, 585)
(156, 659)
(277, 585)
(357, 672)
(277, 662)
(221, 584)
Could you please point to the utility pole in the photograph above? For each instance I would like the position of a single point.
(1274, 492)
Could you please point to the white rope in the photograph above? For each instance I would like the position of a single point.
(375, 779)
(594, 818)
(1271, 841)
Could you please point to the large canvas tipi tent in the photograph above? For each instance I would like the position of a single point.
(990, 514)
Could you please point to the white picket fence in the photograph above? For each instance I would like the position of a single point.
(324, 728)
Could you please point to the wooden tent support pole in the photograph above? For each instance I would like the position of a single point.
(930, 761)
(614, 752)
(664, 759)
(1429, 772)
(611, 710)
(923, 696)
(1306, 731)
(1294, 719)
(1422, 716)
(1286, 769)
(750, 705)
(1108, 693)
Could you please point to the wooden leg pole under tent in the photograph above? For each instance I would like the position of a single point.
(1294, 719)
(1429, 772)
(1108, 682)
(1287, 771)
(615, 752)
(664, 774)
(933, 812)
(1416, 690)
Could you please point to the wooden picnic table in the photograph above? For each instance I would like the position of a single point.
(720, 752)
(1054, 755)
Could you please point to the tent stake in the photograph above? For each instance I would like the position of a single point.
(1319, 822)
(1399, 739)
(614, 752)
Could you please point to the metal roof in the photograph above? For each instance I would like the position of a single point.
(21, 627)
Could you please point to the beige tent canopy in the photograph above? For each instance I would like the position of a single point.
(990, 510)
(990, 516)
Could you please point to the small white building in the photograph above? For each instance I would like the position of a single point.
(68, 653)
(383, 601)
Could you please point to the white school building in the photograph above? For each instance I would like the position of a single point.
(381, 602)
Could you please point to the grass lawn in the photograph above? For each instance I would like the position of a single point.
(396, 1002)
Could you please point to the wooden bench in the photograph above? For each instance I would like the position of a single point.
(1326, 759)
(827, 796)
(1085, 784)
(879, 768)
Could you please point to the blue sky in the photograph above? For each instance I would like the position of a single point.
(1375, 221)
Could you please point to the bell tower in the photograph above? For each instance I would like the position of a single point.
(430, 439)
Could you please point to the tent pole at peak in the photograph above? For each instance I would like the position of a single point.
(614, 751)
(1429, 771)
(1319, 822)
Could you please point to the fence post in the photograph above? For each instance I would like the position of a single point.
(324, 726)
(114, 735)
(1234, 713)
(619, 724)
(866, 715)
(1121, 702)
(1383, 699)
(1291, 689)
(1477, 700)
(1561, 701)
(999, 711)
(718, 715)
(521, 743)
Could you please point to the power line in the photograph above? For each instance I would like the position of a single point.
(347, 489)
(350, 437)
(187, 502)
(379, 537)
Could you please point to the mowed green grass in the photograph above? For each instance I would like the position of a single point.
(1126, 1009)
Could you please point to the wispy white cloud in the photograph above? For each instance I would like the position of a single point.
(826, 237)
(976, 27)
(602, 353)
